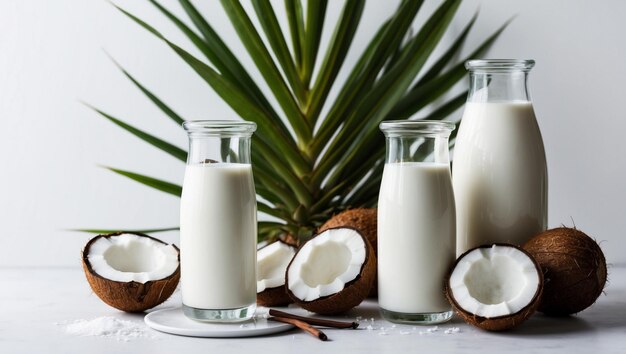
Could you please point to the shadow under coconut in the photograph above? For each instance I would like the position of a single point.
(606, 315)
(541, 324)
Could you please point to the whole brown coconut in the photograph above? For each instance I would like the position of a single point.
(129, 296)
(574, 269)
(365, 220)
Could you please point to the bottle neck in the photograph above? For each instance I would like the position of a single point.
(219, 149)
(488, 86)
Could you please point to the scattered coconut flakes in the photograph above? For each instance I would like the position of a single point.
(359, 318)
(433, 329)
(452, 330)
(405, 332)
(108, 327)
(393, 326)
(369, 328)
(382, 332)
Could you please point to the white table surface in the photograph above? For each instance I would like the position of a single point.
(33, 301)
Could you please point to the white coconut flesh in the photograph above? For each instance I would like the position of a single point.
(129, 257)
(495, 281)
(326, 263)
(272, 262)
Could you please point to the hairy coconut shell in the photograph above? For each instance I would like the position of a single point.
(365, 220)
(129, 296)
(353, 293)
(574, 268)
(500, 323)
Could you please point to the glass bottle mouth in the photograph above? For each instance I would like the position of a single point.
(219, 128)
(499, 65)
(416, 127)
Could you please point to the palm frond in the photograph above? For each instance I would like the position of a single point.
(308, 166)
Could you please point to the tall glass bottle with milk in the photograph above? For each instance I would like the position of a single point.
(499, 170)
(416, 223)
(218, 226)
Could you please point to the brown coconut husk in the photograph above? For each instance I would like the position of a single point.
(574, 267)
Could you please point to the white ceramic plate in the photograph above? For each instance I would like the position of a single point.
(173, 321)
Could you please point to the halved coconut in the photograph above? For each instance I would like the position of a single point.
(495, 287)
(332, 272)
(365, 220)
(132, 272)
(272, 262)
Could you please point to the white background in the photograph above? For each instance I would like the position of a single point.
(52, 57)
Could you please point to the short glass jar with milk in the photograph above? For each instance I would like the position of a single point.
(499, 178)
(428, 212)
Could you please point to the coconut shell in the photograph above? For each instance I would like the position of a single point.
(273, 297)
(353, 293)
(500, 323)
(365, 220)
(130, 296)
(574, 268)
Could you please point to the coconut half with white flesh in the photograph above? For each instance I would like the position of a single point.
(132, 272)
(272, 262)
(495, 287)
(332, 272)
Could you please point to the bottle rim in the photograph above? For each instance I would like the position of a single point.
(425, 127)
(219, 127)
(499, 65)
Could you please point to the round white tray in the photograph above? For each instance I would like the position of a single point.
(173, 321)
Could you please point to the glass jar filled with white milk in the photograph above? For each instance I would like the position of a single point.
(218, 225)
(499, 170)
(416, 222)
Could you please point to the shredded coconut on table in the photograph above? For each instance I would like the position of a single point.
(108, 327)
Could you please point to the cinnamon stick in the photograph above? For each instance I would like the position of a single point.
(315, 321)
(302, 325)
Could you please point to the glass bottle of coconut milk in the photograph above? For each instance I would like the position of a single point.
(416, 223)
(218, 226)
(499, 171)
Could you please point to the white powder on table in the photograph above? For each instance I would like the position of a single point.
(108, 327)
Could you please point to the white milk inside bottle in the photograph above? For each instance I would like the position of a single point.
(218, 236)
(416, 224)
(499, 171)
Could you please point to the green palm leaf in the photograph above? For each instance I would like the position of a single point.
(143, 231)
(152, 182)
(335, 55)
(160, 104)
(263, 60)
(150, 139)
